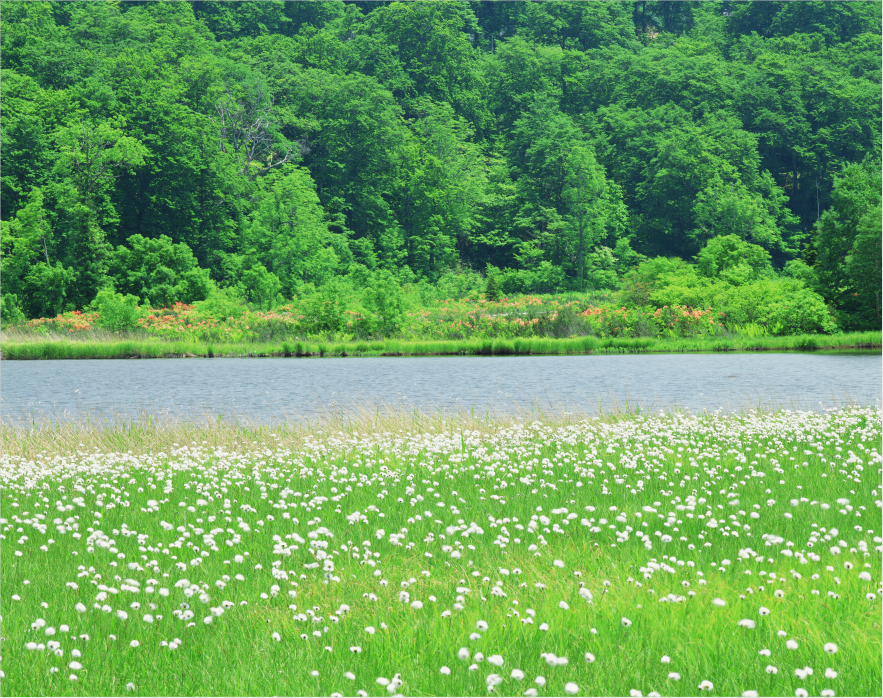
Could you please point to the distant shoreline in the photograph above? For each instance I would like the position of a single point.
(157, 348)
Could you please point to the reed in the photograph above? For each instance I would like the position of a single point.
(19, 347)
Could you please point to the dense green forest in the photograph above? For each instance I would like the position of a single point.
(668, 152)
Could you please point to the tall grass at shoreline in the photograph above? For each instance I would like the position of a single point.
(23, 347)
(673, 554)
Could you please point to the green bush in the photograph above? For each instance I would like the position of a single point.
(801, 312)
(116, 312)
(159, 272)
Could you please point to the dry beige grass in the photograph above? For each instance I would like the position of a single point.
(153, 433)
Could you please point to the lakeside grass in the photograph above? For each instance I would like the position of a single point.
(23, 347)
(254, 560)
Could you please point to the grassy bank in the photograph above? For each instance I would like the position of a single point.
(670, 554)
(140, 347)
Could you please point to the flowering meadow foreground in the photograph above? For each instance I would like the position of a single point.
(667, 555)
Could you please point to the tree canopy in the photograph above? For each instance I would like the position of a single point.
(168, 148)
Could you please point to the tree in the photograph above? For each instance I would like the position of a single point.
(38, 284)
(289, 233)
(441, 185)
(158, 272)
(350, 131)
(247, 129)
(90, 158)
(847, 244)
(730, 258)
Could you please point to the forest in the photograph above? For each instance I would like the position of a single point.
(338, 157)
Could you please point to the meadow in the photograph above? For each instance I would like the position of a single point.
(672, 554)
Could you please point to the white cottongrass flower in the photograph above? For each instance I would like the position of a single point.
(463, 654)
(764, 653)
(830, 648)
(72, 677)
(830, 673)
(517, 674)
(416, 605)
(382, 681)
(590, 658)
(625, 622)
(445, 670)
(763, 611)
(706, 686)
(496, 660)
(370, 630)
(558, 563)
(635, 693)
(746, 623)
(801, 693)
(531, 692)
(563, 605)
(134, 643)
(540, 681)
(571, 688)
(350, 675)
(80, 608)
(130, 686)
(674, 676)
(719, 602)
(791, 644)
(544, 627)
(749, 694)
(828, 692)
(481, 625)
(76, 666)
(771, 669)
(276, 636)
(665, 659)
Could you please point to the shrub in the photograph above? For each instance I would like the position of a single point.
(116, 312)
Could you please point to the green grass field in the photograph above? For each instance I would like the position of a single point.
(16, 346)
(668, 554)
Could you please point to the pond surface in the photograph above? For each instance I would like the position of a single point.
(280, 388)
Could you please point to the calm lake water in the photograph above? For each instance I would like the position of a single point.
(300, 389)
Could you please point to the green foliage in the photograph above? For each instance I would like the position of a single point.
(847, 244)
(730, 258)
(260, 286)
(277, 147)
(386, 304)
(116, 312)
(492, 289)
(10, 311)
(159, 272)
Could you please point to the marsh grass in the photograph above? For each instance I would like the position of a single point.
(425, 478)
(110, 346)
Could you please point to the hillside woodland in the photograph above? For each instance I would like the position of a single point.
(348, 159)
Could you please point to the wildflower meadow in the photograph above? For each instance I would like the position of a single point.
(648, 555)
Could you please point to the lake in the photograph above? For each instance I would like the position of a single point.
(279, 388)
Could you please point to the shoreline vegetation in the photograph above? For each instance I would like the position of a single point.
(124, 346)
